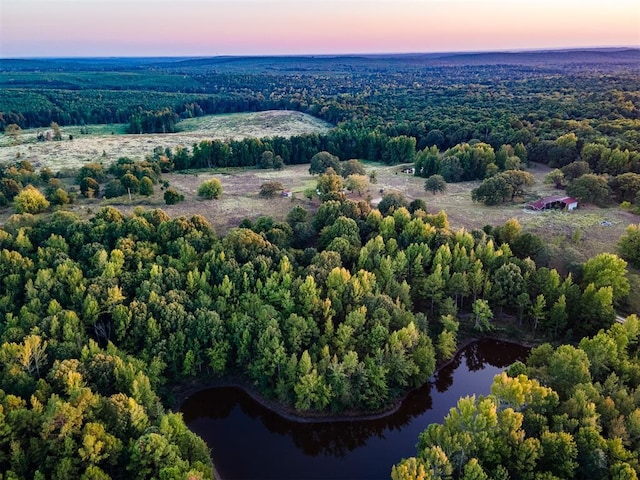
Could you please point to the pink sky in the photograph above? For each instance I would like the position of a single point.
(264, 27)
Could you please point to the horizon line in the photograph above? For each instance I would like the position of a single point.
(334, 55)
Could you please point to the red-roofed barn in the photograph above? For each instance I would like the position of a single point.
(555, 202)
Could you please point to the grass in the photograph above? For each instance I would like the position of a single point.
(107, 143)
(571, 236)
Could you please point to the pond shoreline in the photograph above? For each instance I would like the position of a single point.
(184, 391)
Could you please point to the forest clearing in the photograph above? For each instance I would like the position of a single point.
(107, 143)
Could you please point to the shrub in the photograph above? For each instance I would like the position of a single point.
(59, 197)
(89, 187)
(114, 189)
(146, 186)
(269, 189)
(210, 189)
(30, 200)
(171, 196)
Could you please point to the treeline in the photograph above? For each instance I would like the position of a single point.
(570, 412)
(442, 106)
(35, 108)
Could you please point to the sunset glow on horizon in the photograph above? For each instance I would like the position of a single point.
(45, 28)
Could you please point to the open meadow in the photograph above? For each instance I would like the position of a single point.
(572, 236)
(107, 143)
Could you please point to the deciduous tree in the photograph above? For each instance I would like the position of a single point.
(30, 200)
(629, 245)
(435, 184)
(357, 183)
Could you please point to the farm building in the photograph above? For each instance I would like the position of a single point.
(556, 203)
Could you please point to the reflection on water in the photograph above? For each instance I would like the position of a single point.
(249, 441)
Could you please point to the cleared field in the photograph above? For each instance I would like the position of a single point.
(107, 143)
(572, 236)
(240, 198)
(575, 235)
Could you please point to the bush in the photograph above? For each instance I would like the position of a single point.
(30, 200)
(59, 197)
(269, 189)
(392, 202)
(89, 187)
(146, 187)
(171, 196)
(210, 189)
(114, 189)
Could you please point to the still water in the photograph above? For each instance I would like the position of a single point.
(249, 441)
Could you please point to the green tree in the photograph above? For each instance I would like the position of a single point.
(482, 315)
(146, 186)
(559, 454)
(626, 187)
(352, 167)
(590, 188)
(564, 150)
(436, 138)
(556, 178)
(428, 162)
(59, 197)
(329, 184)
(130, 182)
(435, 184)
(518, 180)
(391, 202)
(321, 161)
(93, 170)
(114, 188)
(492, 191)
(508, 284)
(607, 270)
(30, 200)
(312, 392)
(357, 183)
(210, 189)
(629, 245)
(401, 149)
(89, 187)
(575, 170)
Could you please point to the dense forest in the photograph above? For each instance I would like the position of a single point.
(340, 310)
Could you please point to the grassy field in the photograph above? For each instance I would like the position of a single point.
(107, 143)
(571, 236)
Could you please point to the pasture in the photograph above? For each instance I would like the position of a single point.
(107, 143)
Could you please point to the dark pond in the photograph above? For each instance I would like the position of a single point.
(248, 441)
